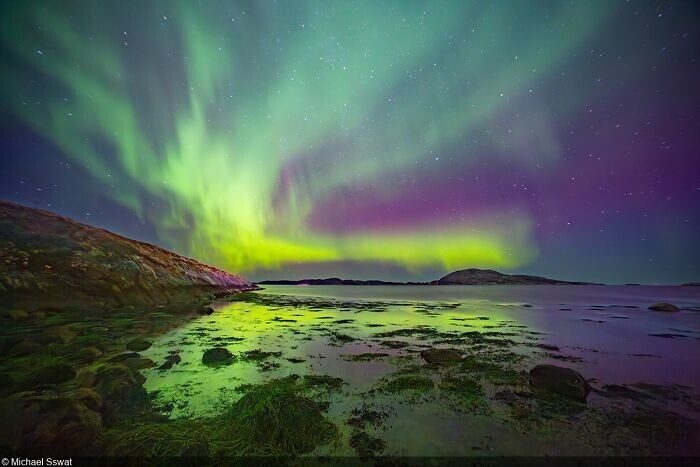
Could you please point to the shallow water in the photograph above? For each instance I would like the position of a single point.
(606, 333)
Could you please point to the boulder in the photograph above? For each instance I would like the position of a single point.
(89, 354)
(559, 380)
(53, 422)
(119, 387)
(441, 356)
(87, 377)
(666, 307)
(90, 398)
(207, 310)
(138, 345)
(217, 355)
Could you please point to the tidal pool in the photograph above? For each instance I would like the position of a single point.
(359, 348)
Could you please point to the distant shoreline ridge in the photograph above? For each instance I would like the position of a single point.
(471, 276)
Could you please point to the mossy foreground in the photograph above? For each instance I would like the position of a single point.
(282, 375)
(271, 419)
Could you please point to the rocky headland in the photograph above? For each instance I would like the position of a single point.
(77, 305)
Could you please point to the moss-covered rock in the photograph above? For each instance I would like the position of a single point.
(559, 380)
(138, 344)
(217, 356)
(441, 356)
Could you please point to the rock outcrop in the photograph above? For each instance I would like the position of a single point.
(50, 260)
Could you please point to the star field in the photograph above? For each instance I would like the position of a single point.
(365, 139)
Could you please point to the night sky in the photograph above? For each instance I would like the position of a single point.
(392, 140)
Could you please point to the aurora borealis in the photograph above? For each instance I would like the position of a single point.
(365, 139)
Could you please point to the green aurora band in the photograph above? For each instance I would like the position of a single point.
(215, 107)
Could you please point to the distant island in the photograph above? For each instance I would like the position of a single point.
(475, 276)
(472, 276)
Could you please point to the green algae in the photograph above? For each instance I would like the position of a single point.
(408, 383)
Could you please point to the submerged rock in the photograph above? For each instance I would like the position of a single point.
(666, 307)
(559, 380)
(170, 360)
(217, 355)
(441, 356)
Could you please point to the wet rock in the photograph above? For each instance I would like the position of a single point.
(441, 356)
(217, 355)
(118, 386)
(90, 398)
(665, 307)
(138, 363)
(559, 380)
(207, 310)
(54, 374)
(138, 345)
(89, 354)
(124, 356)
(86, 377)
(52, 422)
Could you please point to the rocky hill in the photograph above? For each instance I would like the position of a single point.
(490, 277)
(48, 260)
